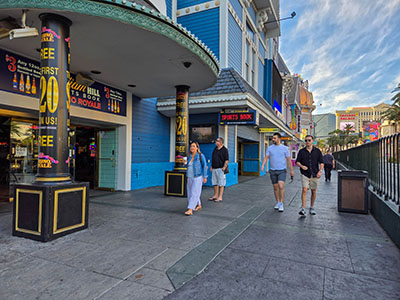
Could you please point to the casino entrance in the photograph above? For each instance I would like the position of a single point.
(93, 155)
(92, 152)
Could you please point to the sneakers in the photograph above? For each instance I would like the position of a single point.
(279, 206)
(312, 211)
(303, 213)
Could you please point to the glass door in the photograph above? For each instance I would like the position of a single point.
(24, 151)
(107, 162)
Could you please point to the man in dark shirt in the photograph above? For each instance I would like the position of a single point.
(219, 163)
(329, 164)
(311, 164)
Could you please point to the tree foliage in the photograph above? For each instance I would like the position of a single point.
(393, 112)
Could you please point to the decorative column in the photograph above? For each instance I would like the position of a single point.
(182, 124)
(53, 205)
(175, 181)
(53, 163)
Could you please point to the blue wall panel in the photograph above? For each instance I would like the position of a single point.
(149, 174)
(261, 49)
(251, 151)
(234, 45)
(187, 3)
(260, 78)
(252, 13)
(150, 132)
(169, 7)
(268, 81)
(204, 25)
(231, 143)
(237, 7)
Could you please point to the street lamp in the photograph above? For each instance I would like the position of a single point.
(292, 15)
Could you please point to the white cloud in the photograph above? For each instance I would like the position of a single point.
(348, 50)
(394, 83)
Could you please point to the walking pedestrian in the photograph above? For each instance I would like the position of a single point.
(196, 176)
(219, 166)
(279, 156)
(311, 164)
(329, 164)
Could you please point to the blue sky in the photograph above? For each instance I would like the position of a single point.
(349, 50)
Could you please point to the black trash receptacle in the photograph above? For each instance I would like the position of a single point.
(353, 191)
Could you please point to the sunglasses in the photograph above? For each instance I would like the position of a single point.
(308, 140)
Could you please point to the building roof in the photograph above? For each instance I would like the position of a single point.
(293, 97)
(228, 82)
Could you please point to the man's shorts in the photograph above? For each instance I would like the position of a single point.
(277, 175)
(310, 183)
(218, 177)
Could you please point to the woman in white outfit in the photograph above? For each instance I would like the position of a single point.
(196, 176)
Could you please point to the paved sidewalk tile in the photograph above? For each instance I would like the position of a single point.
(347, 286)
(128, 290)
(295, 273)
(140, 245)
(153, 278)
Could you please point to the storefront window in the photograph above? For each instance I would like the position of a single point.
(24, 151)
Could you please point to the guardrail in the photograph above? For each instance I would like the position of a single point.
(380, 159)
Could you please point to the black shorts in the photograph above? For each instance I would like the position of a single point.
(277, 175)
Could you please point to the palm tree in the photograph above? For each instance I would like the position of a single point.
(348, 128)
(393, 112)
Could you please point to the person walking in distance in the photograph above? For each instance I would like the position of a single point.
(219, 165)
(311, 164)
(279, 156)
(329, 164)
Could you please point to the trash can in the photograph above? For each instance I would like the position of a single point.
(353, 191)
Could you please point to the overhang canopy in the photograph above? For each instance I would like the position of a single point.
(127, 43)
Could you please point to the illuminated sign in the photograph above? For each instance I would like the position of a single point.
(268, 130)
(371, 131)
(21, 75)
(238, 118)
(347, 117)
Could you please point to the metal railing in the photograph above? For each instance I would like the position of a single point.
(380, 159)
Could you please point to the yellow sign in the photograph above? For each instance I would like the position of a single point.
(44, 163)
(263, 130)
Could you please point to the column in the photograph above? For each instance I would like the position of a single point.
(182, 127)
(53, 164)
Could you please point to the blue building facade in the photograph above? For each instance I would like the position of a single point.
(247, 49)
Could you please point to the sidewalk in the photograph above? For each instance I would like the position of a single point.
(141, 246)
(280, 256)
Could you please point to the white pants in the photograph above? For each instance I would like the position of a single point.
(194, 186)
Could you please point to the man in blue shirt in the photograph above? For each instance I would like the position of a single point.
(279, 156)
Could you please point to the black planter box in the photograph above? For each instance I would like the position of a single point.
(46, 212)
(175, 183)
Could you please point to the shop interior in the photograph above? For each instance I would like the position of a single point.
(19, 152)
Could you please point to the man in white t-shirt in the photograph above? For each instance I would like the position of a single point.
(280, 158)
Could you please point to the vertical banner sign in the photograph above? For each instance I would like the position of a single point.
(293, 117)
(54, 99)
(182, 122)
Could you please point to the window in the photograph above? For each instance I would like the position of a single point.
(253, 69)
(250, 32)
(247, 61)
